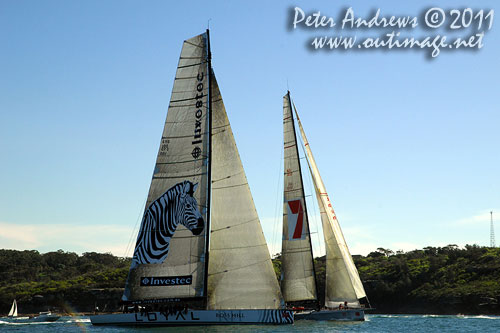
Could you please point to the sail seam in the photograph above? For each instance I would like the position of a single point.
(236, 225)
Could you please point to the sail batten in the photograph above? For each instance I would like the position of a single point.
(298, 281)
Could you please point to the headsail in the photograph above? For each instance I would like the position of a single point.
(240, 271)
(13, 310)
(169, 257)
(342, 278)
(298, 275)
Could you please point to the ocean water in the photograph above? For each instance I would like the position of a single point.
(373, 323)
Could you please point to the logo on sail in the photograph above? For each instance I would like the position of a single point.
(198, 116)
(176, 206)
(159, 281)
(295, 220)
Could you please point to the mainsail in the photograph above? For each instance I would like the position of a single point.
(298, 276)
(240, 271)
(169, 258)
(342, 278)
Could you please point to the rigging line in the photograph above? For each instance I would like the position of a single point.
(276, 206)
(315, 204)
(135, 230)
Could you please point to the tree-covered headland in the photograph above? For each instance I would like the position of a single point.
(436, 280)
(61, 280)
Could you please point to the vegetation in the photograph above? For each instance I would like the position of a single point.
(432, 280)
(443, 279)
(57, 279)
(440, 280)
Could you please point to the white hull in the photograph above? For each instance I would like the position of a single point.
(337, 315)
(196, 317)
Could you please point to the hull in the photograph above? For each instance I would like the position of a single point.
(196, 317)
(337, 315)
(27, 320)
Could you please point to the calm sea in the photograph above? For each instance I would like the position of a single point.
(373, 323)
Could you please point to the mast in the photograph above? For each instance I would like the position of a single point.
(209, 168)
(305, 205)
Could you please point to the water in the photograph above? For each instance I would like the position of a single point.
(373, 323)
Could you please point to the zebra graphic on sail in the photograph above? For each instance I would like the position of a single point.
(176, 206)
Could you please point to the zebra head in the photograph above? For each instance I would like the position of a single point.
(190, 215)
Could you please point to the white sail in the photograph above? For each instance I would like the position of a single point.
(13, 310)
(342, 279)
(169, 258)
(298, 276)
(240, 271)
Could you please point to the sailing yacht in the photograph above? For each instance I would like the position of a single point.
(344, 292)
(200, 257)
(12, 317)
(13, 310)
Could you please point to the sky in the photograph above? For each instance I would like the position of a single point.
(406, 143)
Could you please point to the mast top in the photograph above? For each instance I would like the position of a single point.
(209, 54)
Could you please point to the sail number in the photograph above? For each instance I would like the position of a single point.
(164, 147)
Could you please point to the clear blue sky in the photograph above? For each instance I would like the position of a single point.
(408, 147)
